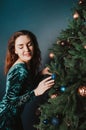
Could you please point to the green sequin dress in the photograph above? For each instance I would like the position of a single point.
(18, 92)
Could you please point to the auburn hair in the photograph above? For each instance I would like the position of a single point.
(11, 57)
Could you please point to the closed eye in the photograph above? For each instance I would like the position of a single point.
(20, 47)
(30, 44)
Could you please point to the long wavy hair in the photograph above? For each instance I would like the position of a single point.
(11, 57)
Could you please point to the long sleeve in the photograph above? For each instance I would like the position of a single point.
(18, 90)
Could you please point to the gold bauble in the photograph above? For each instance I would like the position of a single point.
(76, 15)
(85, 47)
(81, 1)
(51, 55)
(62, 43)
(82, 91)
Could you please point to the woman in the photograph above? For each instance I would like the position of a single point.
(22, 64)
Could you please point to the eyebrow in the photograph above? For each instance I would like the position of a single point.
(21, 44)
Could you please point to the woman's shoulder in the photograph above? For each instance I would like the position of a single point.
(18, 69)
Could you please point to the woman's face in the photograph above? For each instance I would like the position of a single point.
(24, 48)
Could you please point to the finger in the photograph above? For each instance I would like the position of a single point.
(46, 79)
(47, 68)
(47, 71)
(49, 86)
(50, 81)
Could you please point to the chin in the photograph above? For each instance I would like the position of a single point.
(28, 59)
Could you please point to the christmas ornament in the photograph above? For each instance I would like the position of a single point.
(62, 88)
(80, 2)
(55, 121)
(46, 121)
(82, 91)
(65, 43)
(76, 15)
(53, 76)
(62, 43)
(51, 55)
(85, 47)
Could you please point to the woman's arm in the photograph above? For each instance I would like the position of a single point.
(43, 86)
(46, 71)
(17, 81)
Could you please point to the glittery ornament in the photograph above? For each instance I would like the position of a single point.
(62, 43)
(80, 2)
(46, 121)
(53, 76)
(76, 15)
(65, 43)
(55, 121)
(62, 88)
(82, 91)
(85, 47)
(51, 55)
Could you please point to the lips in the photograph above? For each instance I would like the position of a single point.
(27, 54)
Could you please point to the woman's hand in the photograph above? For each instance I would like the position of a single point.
(43, 86)
(45, 71)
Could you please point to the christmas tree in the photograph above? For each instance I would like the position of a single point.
(65, 108)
